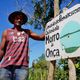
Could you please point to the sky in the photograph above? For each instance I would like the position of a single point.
(65, 2)
(9, 6)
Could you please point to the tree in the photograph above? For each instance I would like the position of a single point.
(77, 61)
(42, 14)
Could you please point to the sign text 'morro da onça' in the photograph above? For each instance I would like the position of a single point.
(61, 33)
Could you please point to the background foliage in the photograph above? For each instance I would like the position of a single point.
(39, 69)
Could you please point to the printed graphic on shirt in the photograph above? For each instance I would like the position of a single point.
(18, 37)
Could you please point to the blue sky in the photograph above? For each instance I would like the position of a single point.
(65, 2)
(9, 6)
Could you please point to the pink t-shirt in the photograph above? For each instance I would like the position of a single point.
(16, 49)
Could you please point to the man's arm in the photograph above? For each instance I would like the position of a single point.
(2, 45)
(37, 37)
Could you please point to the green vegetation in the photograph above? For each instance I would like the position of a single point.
(39, 69)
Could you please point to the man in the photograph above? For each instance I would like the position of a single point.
(14, 48)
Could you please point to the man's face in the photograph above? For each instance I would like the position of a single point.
(18, 20)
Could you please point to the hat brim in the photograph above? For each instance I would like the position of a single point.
(14, 14)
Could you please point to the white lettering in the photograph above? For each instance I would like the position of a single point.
(18, 39)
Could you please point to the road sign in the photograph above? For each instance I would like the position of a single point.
(63, 35)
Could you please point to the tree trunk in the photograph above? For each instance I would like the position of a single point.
(72, 69)
(51, 70)
(44, 13)
(56, 7)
